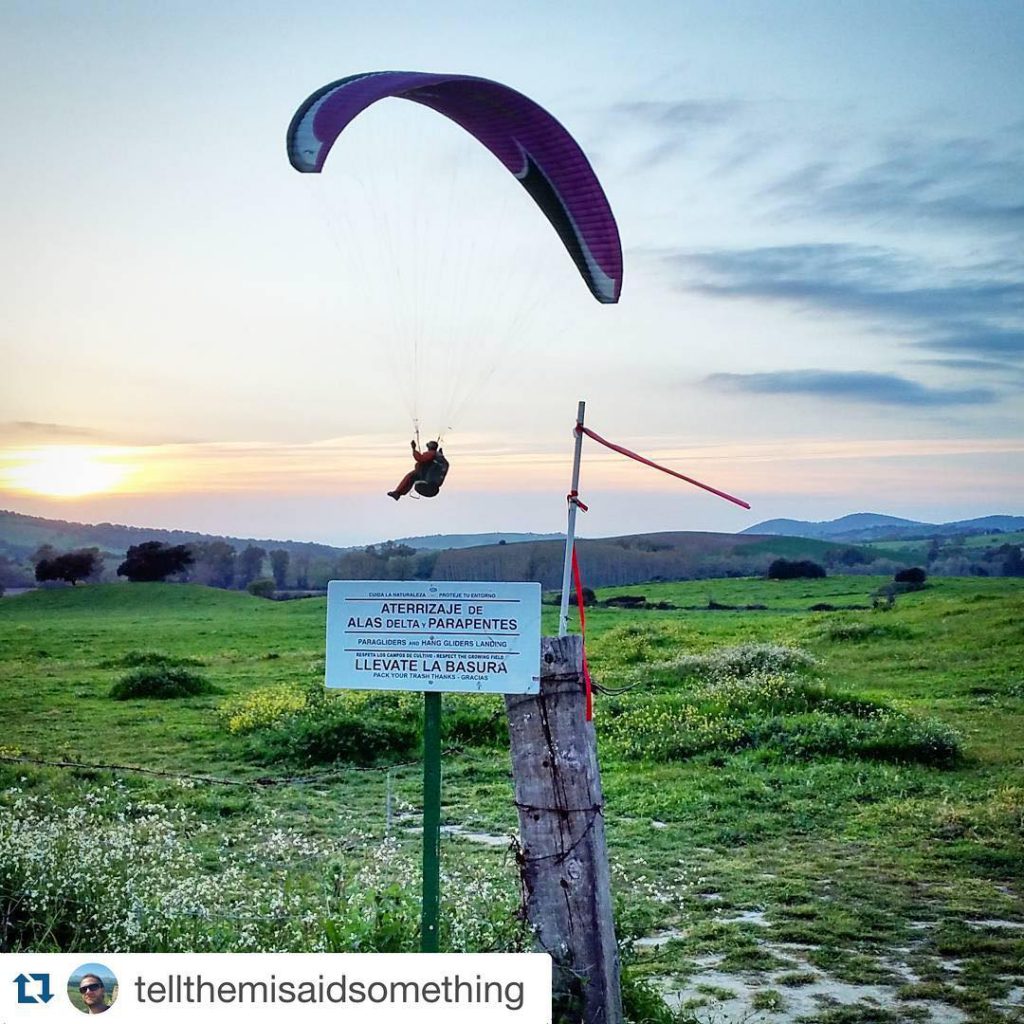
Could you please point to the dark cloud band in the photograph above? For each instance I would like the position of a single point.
(972, 314)
(857, 386)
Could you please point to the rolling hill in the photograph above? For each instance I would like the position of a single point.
(639, 558)
(20, 535)
(871, 526)
(441, 541)
(608, 561)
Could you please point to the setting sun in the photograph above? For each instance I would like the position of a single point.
(65, 472)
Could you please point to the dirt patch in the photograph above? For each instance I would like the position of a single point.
(797, 991)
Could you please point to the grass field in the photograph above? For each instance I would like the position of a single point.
(917, 550)
(813, 815)
(985, 540)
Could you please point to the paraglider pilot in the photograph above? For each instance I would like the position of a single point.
(428, 474)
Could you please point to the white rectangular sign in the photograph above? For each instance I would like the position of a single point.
(424, 635)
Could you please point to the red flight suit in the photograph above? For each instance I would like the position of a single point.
(422, 459)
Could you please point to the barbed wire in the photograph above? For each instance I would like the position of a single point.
(260, 782)
(615, 691)
(560, 856)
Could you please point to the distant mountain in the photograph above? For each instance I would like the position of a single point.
(444, 541)
(609, 561)
(855, 523)
(987, 524)
(871, 526)
(20, 535)
(638, 558)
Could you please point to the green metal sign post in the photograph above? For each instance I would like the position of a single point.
(429, 926)
(433, 637)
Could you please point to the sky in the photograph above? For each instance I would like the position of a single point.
(821, 207)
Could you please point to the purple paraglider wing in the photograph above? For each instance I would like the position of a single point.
(545, 158)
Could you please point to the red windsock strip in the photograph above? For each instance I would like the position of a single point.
(573, 497)
(654, 465)
(583, 632)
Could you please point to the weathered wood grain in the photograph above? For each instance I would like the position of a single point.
(563, 858)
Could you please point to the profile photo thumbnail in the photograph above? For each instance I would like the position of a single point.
(92, 988)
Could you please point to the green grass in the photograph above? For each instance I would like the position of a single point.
(994, 540)
(909, 551)
(860, 845)
(916, 551)
(797, 547)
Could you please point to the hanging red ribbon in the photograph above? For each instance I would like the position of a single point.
(573, 497)
(583, 632)
(654, 465)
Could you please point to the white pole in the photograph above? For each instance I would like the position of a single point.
(570, 532)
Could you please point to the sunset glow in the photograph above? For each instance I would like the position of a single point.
(65, 472)
(820, 309)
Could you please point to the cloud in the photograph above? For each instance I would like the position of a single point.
(980, 365)
(858, 386)
(976, 312)
(672, 126)
(953, 182)
(675, 114)
(861, 280)
(980, 340)
(29, 431)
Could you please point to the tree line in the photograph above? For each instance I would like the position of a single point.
(214, 564)
(217, 563)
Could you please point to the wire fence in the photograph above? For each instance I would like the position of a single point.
(266, 898)
(397, 817)
(259, 782)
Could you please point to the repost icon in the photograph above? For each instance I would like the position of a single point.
(33, 988)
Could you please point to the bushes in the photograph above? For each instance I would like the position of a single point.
(635, 644)
(306, 725)
(136, 658)
(160, 682)
(850, 631)
(759, 696)
(262, 588)
(742, 661)
(157, 676)
(793, 718)
(262, 708)
(337, 735)
(474, 723)
(914, 575)
(783, 569)
(886, 736)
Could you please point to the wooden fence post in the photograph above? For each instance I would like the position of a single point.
(563, 859)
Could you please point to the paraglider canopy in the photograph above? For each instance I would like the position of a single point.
(527, 140)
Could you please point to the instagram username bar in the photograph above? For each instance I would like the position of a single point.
(246, 988)
(453, 990)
